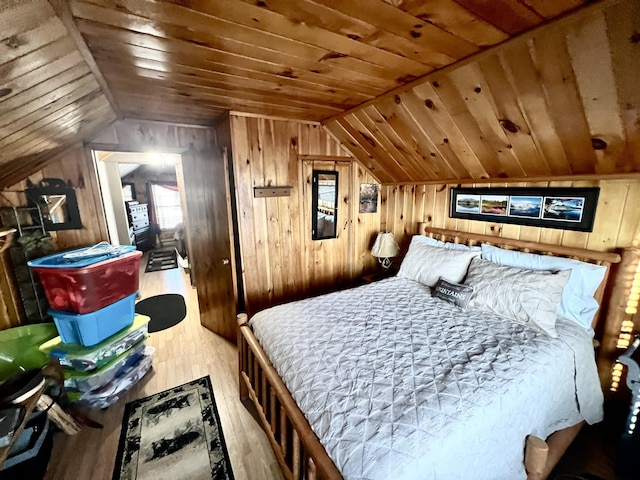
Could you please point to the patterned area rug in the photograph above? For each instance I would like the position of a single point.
(161, 260)
(173, 434)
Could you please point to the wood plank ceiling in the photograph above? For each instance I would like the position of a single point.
(190, 61)
(560, 102)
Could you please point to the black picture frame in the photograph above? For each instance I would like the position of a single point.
(322, 210)
(41, 194)
(560, 208)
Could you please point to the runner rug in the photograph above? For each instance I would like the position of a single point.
(161, 260)
(173, 434)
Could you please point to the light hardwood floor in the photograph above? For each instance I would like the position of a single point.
(183, 353)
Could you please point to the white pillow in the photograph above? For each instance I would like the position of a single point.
(577, 304)
(426, 264)
(530, 297)
(448, 245)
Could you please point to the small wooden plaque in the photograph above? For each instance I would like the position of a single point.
(264, 192)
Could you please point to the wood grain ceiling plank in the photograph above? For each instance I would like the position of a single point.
(124, 68)
(38, 58)
(453, 18)
(553, 8)
(623, 26)
(328, 19)
(471, 86)
(343, 136)
(180, 78)
(395, 154)
(25, 42)
(597, 88)
(447, 126)
(22, 16)
(504, 101)
(61, 129)
(455, 104)
(392, 19)
(115, 42)
(386, 135)
(339, 68)
(61, 7)
(43, 92)
(42, 74)
(438, 143)
(553, 65)
(12, 139)
(144, 103)
(373, 148)
(508, 15)
(158, 87)
(263, 19)
(425, 160)
(524, 80)
(33, 111)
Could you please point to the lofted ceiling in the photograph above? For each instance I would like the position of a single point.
(69, 67)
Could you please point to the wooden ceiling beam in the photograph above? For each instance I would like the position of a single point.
(61, 7)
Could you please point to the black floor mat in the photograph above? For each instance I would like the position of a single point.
(161, 260)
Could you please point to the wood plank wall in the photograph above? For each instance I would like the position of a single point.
(280, 261)
(75, 165)
(617, 222)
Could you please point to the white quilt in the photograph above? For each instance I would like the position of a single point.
(397, 384)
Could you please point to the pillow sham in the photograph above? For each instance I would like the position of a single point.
(426, 264)
(448, 245)
(577, 304)
(527, 296)
(455, 293)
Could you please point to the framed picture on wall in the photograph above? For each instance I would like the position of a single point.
(562, 208)
(368, 197)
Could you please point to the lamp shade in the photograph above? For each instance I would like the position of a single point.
(385, 246)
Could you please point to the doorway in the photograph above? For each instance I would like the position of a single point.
(199, 197)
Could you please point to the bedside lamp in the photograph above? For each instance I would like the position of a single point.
(385, 248)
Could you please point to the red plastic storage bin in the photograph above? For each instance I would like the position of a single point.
(92, 287)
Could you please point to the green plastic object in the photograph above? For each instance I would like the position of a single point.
(84, 359)
(19, 348)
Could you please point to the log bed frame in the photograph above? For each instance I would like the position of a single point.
(299, 452)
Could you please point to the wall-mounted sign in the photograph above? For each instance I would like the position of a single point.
(563, 208)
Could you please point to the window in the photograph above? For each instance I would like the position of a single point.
(166, 201)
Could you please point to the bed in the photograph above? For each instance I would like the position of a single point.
(389, 392)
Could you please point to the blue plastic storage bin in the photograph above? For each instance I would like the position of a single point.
(91, 328)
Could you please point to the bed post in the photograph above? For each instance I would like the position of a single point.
(242, 320)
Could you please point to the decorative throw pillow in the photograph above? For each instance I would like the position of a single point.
(453, 292)
(526, 296)
(577, 304)
(426, 264)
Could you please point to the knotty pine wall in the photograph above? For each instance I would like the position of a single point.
(617, 222)
(280, 261)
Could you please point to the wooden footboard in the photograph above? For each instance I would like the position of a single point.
(298, 450)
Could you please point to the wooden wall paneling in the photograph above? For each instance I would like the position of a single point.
(510, 17)
(11, 310)
(617, 223)
(623, 24)
(341, 134)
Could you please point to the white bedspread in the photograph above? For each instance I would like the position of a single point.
(399, 385)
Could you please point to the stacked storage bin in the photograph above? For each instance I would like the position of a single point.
(101, 346)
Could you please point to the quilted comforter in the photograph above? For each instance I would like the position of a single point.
(398, 384)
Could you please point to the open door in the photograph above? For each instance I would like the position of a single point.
(208, 228)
